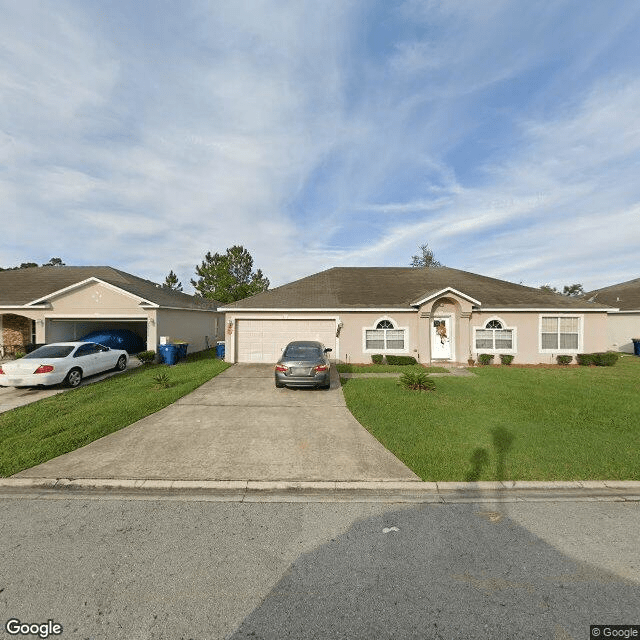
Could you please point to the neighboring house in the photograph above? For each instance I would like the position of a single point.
(624, 318)
(434, 314)
(52, 304)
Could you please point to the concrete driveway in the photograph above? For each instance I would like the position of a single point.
(12, 397)
(238, 426)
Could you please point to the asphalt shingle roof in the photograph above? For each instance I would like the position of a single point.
(399, 287)
(21, 286)
(624, 296)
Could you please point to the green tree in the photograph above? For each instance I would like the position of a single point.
(425, 258)
(572, 290)
(229, 277)
(54, 262)
(548, 288)
(171, 282)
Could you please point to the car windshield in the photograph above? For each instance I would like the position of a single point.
(51, 351)
(302, 352)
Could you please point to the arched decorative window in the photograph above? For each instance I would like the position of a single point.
(386, 336)
(494, 337)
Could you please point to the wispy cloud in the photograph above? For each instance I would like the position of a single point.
(322, 133)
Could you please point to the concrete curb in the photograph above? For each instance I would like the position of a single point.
(287, 491)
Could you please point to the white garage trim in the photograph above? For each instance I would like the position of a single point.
(262, 339)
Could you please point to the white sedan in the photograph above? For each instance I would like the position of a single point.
(66, 362)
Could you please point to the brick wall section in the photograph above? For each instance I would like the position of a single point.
(16, 331)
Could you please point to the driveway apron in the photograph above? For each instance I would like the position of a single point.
(238, 426)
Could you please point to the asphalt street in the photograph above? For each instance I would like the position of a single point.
(107, 567)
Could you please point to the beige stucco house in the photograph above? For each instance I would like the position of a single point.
(624, 318)
(52, 304)
(434, 315)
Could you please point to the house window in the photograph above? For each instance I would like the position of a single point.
(495, 336)
(385, 337)
(560, 333)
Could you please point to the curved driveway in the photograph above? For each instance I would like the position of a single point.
(238, 426)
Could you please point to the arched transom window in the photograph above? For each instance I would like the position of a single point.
(385, 337)
(494, 337)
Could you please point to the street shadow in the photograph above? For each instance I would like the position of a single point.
(443, 572)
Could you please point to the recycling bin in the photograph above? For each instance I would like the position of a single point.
(636, 346)
(220, 350)
(182, 350)
(168, 353)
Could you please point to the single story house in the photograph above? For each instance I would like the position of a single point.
(624, 317)
(54, 304)
(433, 314)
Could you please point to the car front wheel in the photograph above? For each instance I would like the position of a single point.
(74, 378)
(121, 365)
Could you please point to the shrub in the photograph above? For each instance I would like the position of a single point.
(401, 360)
(146, 356)
(485, 358)
(377, 358)
(607, 359)
(19, 354)
(584, 359)
(416, 381)
(564, 359)
(506, 358)
(162, 381)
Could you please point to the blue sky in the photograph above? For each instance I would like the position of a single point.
(141, 135)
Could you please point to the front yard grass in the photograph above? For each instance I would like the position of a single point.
(578, 423)
(50, 427)
(388, 368)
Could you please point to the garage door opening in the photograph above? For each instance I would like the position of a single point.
(69, 330)
(264, 340)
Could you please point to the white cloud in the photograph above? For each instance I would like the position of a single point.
(286, 127)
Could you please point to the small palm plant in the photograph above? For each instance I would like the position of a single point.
(416, 381)
(162, 381)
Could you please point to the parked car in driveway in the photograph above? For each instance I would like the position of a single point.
(304, 364)
(61, 362)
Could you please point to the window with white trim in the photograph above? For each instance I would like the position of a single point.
(385, 337)
(560, 333)
(495, 336)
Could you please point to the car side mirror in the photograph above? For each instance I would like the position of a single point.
(327, 350)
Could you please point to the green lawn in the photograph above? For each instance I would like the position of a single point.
(388, 368)
(50, 427)
(577, 423)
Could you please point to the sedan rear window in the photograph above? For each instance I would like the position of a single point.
(302, 353)
(51, 351)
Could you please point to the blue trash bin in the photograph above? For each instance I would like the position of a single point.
(220, 350)
(636, 346)
(182, 350)
(168, 353)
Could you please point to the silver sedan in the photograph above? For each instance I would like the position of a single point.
(304, 364)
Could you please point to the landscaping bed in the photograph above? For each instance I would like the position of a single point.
(510, 423)
(387, 368)
(48, 428)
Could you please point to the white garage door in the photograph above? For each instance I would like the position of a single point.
(264, 340)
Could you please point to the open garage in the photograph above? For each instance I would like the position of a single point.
(72, 329)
